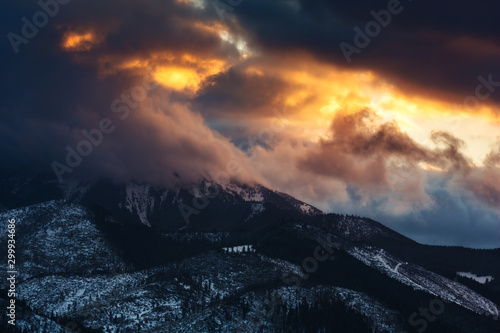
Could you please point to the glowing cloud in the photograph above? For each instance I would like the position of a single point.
(74, 41)
(187, 73)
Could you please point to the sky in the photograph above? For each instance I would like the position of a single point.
(385, 109)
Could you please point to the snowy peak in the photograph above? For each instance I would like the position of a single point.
(139, 201)
(201, 206)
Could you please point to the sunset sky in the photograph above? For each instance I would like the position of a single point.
(406, 130)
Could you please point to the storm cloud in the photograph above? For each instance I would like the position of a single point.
(437, 49)
(184, 93)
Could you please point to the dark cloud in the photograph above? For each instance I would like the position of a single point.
(50, 96)
(239, 94)
(437, 48)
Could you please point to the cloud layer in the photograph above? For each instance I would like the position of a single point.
(264, 94)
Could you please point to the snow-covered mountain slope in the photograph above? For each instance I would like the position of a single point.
(140, 202)
(201, 206)
(104, 256)
(191, 297)
(67, 269)
(55, 237)
(262, 306)
(359, 229)
(30, 322)
(422, 279)
(262, 194)
(405, 272)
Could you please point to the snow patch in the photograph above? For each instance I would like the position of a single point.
(252, 194)
(239, 249)
(480, 279)
(307, 209)
(257, 208)
(138, 200)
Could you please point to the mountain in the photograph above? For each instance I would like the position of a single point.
(225, 207)
(123, 257)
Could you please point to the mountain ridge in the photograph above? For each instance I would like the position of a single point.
(133, 238)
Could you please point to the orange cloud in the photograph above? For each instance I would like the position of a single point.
(313, 93)
(187, 72)
(74, 41)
